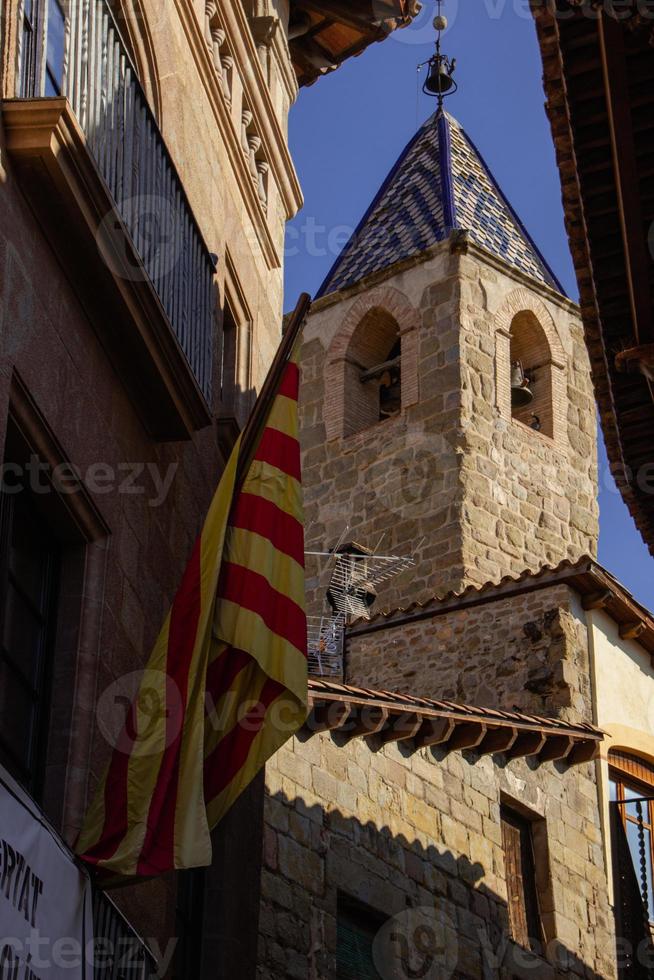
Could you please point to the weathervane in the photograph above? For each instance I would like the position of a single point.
(439, 81)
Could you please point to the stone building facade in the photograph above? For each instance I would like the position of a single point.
(411, 834)
(417, 837)
(448, 416)
(524, 651)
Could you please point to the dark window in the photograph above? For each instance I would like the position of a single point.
(54, 60)
(28, 50)
(357, 925)
(28, 591)
(524, 918)
(42, 50)
(390, 385)
(190, 922)
(531, 374)
(228, 365)
(387, 378)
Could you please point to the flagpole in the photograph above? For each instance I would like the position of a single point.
(259, 413)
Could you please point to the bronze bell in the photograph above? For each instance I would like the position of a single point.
(521, 393)
(390, 393)
(439, 80)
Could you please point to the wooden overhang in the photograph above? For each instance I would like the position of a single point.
(596, 588)
(325, 33)
(351, 712)
(598, 70)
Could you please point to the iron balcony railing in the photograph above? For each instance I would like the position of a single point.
(633, 856)
(119, 953)
(78, 52)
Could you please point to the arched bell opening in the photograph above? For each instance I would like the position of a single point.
(531, 374)
(373, 368)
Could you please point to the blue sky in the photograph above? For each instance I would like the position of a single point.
(348, 129)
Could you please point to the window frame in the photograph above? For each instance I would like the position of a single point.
(48, 69)
(236, 351)
(641, 781)
(29, 48)
(530, 934)
(31, 772)
(36, 72)
(373, 920)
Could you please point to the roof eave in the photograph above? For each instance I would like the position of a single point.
(383, 717)
(614, 425)
(596, 587)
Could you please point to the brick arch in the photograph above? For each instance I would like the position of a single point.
(524, 301)
(522, 311)
(388, 307)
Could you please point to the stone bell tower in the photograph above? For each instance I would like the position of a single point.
(447, 404)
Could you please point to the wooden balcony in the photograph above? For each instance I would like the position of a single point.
(97, 173)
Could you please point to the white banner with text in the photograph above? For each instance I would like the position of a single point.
(46, 918)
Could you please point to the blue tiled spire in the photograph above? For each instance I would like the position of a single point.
(439, 183)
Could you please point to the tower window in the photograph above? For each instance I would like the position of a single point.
(531, 374)
(373, 372)
(388, 378)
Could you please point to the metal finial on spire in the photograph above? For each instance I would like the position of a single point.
(439, 81)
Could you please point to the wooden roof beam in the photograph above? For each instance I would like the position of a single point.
(631, 631)
(434, 731)
(621, 130)
(328, 716)
(497, 740)
(527, 743)
(556, 747)
(341, 11)
(597, 600)
(369, 719)
(584, 751)
(466, 735)
(400, 728)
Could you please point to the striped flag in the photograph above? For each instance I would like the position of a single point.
(226, 683)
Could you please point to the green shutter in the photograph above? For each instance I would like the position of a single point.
(354, 947)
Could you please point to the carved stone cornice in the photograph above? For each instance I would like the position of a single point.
(246, 63)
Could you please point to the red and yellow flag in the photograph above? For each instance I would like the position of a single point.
(226, 683)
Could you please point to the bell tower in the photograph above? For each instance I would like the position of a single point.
(447, 404)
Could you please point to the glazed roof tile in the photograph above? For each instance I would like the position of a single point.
(439, 184)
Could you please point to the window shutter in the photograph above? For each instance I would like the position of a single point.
(632, 765)
(524, 920)
(356, 931)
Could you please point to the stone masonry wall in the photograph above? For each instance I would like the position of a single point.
(471, 493)
(530, 499)
(400, 831)
(528, 653)
(117, 588)
(397, 482)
